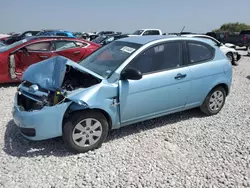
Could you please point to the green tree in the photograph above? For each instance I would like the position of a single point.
(233, 27)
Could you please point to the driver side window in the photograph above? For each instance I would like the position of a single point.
(158, 58)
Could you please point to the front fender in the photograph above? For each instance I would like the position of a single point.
(112, 112)
(102, 96)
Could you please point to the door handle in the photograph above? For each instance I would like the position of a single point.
(180, 76)
(76, 52)
(43, 56)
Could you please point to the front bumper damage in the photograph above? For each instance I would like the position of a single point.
(54, 88)
(42, 98)
(40, 124)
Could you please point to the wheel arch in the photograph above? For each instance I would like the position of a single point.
(77, 108)
(223, 85)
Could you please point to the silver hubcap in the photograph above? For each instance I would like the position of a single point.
(87, 132)
(216, 100)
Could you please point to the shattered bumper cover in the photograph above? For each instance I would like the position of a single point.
(47, 122)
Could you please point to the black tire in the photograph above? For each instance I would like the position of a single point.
(231, 58)
(72, 121)
(205, 107)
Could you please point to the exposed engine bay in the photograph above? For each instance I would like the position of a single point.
(73, 80)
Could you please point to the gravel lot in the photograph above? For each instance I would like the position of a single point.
(182, 150)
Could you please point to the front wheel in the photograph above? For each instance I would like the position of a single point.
(84, 131)
(214, 101)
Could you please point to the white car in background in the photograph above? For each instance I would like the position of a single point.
(142, 32)
(228, 49)
(248, 51)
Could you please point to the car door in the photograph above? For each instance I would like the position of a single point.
(33, 53)
(163, 88)
(73, 50)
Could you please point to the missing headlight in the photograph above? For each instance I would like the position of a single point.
(27, 104)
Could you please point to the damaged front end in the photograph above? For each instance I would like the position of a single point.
(46, 93)
(49, 83)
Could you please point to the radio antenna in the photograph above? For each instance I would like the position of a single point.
(182, 30)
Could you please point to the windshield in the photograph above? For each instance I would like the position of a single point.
(99, 39)
(7, 47)
(138, 32)
(107, 59)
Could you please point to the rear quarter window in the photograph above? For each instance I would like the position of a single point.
(199, 52)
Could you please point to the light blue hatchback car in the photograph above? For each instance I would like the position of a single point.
(127, 81)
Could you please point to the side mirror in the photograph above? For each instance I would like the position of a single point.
(131, 74)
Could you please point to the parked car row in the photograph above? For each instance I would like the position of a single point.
(19, 36)
(16, 57)
(106, 39)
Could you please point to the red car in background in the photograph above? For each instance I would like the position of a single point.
(17, 57)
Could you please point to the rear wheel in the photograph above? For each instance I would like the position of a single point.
(214, 101)
(84, 131)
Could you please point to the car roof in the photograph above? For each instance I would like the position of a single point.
(47, 37)
(146, 39)
(201, 36)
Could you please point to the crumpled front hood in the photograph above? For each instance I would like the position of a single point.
(49, 74)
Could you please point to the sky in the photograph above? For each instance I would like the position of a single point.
(124, 16)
